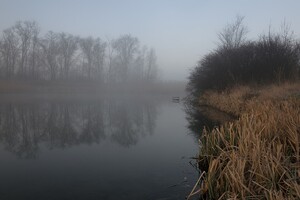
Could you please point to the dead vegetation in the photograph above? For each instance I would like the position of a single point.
(258, 155)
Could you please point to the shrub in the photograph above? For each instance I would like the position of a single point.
(273, 58)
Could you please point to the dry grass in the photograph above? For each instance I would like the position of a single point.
(235, 100)
(258, 155)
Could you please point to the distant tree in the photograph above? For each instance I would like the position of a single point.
(99, 57)
(110, 57)
(34, 52)
(25, 53)
(126, 48)
(9, 51)
(67, 47)
(151, 66)
(86, 45)
(1, 61)
(25, 31)
(50, 47)
(93, 51)
(139, 64)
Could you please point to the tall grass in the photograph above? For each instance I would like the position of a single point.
(258, 155)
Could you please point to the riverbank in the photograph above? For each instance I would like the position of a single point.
(256, 156)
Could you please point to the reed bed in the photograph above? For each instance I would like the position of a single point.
(258, 155)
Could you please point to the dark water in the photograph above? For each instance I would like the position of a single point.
(94, 148)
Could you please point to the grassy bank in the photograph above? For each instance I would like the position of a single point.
(258, 155)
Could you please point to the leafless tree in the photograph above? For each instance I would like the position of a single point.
(34, 52)
(25, 53)
(86, 45)
(110, 55)
(151, 66)
(98, 57)
(67, 48)
(50, 47)
(93, 51)
(139, 64)
(1, 60)
(233, 35)
(9, 51)
(125, 47)
(25, 31)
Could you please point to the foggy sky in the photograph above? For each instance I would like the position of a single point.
(180, 31)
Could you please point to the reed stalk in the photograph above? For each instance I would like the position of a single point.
(258, 155)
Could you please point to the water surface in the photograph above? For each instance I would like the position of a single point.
(94, 148)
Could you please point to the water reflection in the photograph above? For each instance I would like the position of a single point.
(60, 124)
(199, 117)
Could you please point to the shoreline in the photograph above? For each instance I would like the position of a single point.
(257, 155)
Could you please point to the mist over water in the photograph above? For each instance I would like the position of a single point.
(114, 147)
(92, 93)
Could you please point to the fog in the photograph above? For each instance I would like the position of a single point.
(181, 32)
(99, 99)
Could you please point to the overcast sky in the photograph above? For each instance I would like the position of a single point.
(181, 31)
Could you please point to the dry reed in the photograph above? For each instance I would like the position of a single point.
(258, 155)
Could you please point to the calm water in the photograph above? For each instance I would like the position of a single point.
(94, 148)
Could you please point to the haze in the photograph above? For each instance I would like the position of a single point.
(181, 32)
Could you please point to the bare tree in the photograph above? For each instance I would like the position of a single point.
(67, 48)
(99, 56)
(151, 71)
(25, 30)
(56, 55)
(286, 33)
(110, 54)
(93, 51)
(1, 60)
(86, 45)
(233, 35)
(34, 52)
(125, 47)
(139, 64)
(10, 51)
(50, 48)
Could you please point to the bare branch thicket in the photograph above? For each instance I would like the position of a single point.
(234, 34)
(272, 58)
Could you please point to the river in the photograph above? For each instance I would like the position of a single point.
(78, 147)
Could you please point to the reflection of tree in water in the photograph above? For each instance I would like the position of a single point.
(199, 117)
(17, 130)
(64, 124)
(93, 127)
(197, 120)
(58, 127)
(128, 123)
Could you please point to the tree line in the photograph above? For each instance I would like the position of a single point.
(272, 58)
(26, 54)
